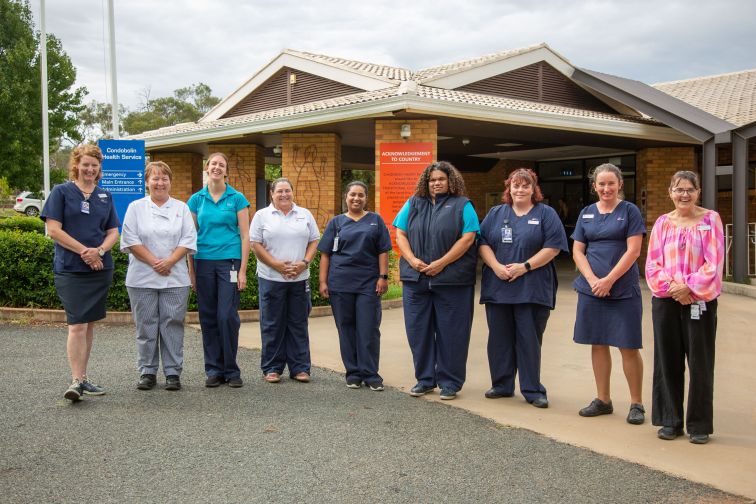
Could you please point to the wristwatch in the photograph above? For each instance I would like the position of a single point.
(307, 263)
(385, 277)
(101, 251)
(528, 266)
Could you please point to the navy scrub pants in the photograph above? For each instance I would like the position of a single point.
(358, 319)
(284, 309)
(515, 334)
(438, 320)
(218, 301)
(677, 337)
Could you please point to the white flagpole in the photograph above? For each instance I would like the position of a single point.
(113, 85)
(45, 123)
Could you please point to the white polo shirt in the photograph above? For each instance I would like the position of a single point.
(161, 229)
(285, 237)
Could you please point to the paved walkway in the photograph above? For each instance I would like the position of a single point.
(288, 442)
(727, 462)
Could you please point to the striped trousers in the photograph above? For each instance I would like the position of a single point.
(159, 317)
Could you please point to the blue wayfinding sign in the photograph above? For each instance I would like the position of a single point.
(123, 172)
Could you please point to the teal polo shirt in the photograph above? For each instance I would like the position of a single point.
(218, 235)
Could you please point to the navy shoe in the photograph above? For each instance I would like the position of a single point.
(448, 394)
(354, 383)
(669, 433)
(699, 438)
(235, 382)
(90, 388)
(492, 393)
(420, 390)
(214, 381)
(376, 387)
(540, 402)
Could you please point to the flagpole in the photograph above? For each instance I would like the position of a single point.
(45, 121)
(112, 69)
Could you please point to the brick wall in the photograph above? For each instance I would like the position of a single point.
(312, 161)
(187, 172)
(655, 167)
(480, 184)
(246, 163)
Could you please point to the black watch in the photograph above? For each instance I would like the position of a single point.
(528, 266)
(385, 277)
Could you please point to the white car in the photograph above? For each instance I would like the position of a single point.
(29, 203)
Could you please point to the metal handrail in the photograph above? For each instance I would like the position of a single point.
(751, 252)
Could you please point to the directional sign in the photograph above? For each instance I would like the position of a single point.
(123, 171)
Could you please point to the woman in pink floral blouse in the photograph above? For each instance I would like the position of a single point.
(684, 272)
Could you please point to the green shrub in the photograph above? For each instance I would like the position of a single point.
(22, 223)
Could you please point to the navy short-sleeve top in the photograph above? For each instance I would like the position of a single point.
(86, 221)
(353, 265)
(605, 238)
(539, 228)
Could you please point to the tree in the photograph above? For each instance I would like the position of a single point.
(186, 105)
(20, 92)
(96, 121)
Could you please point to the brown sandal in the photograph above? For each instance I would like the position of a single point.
(301, 377)
(272, 378)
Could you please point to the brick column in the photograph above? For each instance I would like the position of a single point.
(654, 169)
(481, 184)
(388, 131)
(187, 172)
(312, 161)
(246, 164)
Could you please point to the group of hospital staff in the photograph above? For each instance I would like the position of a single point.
(205, 244)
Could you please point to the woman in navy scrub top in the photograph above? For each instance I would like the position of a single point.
(518, 242)
(436, 231)
(82, 220)
(354, 275)
(608, 237)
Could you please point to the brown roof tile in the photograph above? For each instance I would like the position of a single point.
(370, 69)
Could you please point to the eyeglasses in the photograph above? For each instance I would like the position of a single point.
(680, 191)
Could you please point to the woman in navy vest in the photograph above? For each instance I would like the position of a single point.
(518, 242)
(436, 231)
(354, 275)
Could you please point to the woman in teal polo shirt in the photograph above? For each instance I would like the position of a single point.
(218, 270)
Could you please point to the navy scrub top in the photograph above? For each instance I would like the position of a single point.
(65, 206)
(354, 267)
(605, 238)
(540, 228)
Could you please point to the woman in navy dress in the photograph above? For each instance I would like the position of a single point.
(354, 275)
(518, 242)
(608, 237)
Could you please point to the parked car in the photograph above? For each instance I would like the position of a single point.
(29, 203)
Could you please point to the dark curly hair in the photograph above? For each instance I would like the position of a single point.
(456, 182)
(522, 175)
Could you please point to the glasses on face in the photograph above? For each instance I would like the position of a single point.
(680, 191)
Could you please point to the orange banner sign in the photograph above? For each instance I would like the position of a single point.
(400, 166)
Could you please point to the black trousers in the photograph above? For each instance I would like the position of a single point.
(678, 337)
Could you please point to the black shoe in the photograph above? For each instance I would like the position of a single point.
(172, 382)
(492, 393)
(235, 382)
(637, 414)
(214, 381)
(147, 382)
(699, 438)
(596, 408)
(669, 433)
(420, 390)
(448, 394)
(354, 383)
(376, 387)
(541, 402)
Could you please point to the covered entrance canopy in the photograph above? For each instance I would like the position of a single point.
(317, 115)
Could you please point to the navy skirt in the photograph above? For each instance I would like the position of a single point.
(612, 322)
(84, 294)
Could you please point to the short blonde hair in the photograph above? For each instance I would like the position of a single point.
(157, 166)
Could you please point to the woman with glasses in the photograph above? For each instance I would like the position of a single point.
(684, 272)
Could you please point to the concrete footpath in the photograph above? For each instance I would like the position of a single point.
(728, 462)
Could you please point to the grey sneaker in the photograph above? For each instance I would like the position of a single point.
(637, 414)
(448, 394)
(90, 388)
(74, 391)
(596, 408)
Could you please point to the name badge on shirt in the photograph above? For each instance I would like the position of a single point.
(85, 207)
(103, 196)
(534, 222)
(233, 276)
(588, 216)
(335, 244)
(506, 234)
(704, 227)
(695, 311)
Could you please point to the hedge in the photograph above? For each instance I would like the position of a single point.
(26, 275)
(22, 223)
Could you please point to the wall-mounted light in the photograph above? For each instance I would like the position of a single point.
(465, 141)
(292, 78)
(277, 150)
(406, 131)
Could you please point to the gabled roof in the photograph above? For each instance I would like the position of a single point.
(391, 73)
(730, 96)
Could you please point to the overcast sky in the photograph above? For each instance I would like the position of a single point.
(167, 44)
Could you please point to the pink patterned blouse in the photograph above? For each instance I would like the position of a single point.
(693, 255)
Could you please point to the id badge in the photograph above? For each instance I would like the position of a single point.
(335, 244)
(702, 304)
(506, 234)
(695, 311)
(85, 207)
(234, 276)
